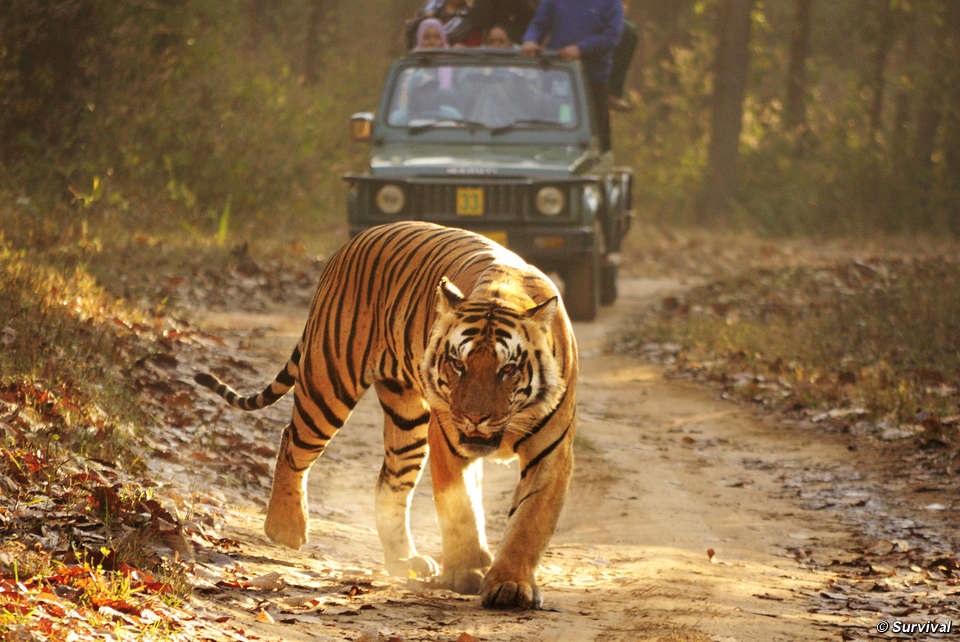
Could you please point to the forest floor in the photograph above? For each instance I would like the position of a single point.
(689, 517)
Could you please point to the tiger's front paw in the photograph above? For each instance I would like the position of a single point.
(286, 525)
(417, 566)
(466, 581)
(464, 571)
(501, 591)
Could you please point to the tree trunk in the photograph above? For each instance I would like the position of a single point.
(795, 111)
(900, 135)
(311, 63)
(256, 21)
(663, 30)
(951, 90)
(930, 91)
(878, 67)
(261, 20)
(663, 19)
(729, 87)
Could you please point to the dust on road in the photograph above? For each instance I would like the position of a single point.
(684, 520)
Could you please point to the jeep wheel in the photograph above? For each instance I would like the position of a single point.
(582, 288)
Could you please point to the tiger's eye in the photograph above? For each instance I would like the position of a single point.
(509, 370)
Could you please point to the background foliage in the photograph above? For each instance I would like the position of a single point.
(873, 149)
(189, 116)
(211, 119)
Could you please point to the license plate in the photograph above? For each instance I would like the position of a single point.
(469, 201)
(497, 237)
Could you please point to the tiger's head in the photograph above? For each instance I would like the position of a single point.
(489, 367)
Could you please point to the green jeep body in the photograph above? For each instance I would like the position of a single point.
(503, 145)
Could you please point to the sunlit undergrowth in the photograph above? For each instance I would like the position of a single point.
(75, 517)
(91, 545)
(877, 340)
(92, 390)
(62, 332)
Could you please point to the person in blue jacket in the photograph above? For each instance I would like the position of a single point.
(585, 30)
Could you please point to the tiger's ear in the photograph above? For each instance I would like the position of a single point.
(449, 296)
(544, 312)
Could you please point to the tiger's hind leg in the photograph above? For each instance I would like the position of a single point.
(406, 418)
(315, 421)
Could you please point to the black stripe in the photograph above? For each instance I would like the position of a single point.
(334, 376)
(457, 264)
(514, 508)
(397, 279)
(433, 265)
(317, 396)
(454, 258)
(365, 356)
(268, 397)
(373, 258)
(403, 471)
(311, 424)
(302, 445)
(396, 274)
(396, 487)
(388, 366)
(543, 453)
(344, 288)
(403, 423)
(414, 446)
(450, 446)
(285, 378)
(297, 469)
(542, 422)
(392, 385)
(348, 361)
(542, 392)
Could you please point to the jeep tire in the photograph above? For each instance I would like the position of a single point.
(582, 288)
(608, 283)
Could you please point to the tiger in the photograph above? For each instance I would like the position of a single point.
(471, 354)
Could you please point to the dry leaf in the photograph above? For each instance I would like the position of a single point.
(267, 582)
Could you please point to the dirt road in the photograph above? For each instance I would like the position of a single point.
(689, 518)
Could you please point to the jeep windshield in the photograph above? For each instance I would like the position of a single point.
(499, 98)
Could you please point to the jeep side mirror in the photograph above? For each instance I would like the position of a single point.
(361, 127)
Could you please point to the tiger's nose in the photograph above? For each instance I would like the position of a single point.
(475, 418)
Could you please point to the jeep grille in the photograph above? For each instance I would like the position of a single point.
(440, 201)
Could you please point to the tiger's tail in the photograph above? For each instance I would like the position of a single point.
(270, 395)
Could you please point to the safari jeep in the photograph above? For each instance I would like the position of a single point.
(504, 145)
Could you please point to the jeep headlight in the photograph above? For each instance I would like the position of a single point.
(390, 199)
(591, 198)
(550, 201)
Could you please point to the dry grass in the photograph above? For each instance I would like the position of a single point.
(876, 339)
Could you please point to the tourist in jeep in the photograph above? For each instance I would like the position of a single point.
(585, 30)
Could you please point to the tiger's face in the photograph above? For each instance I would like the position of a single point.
(489, 368)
